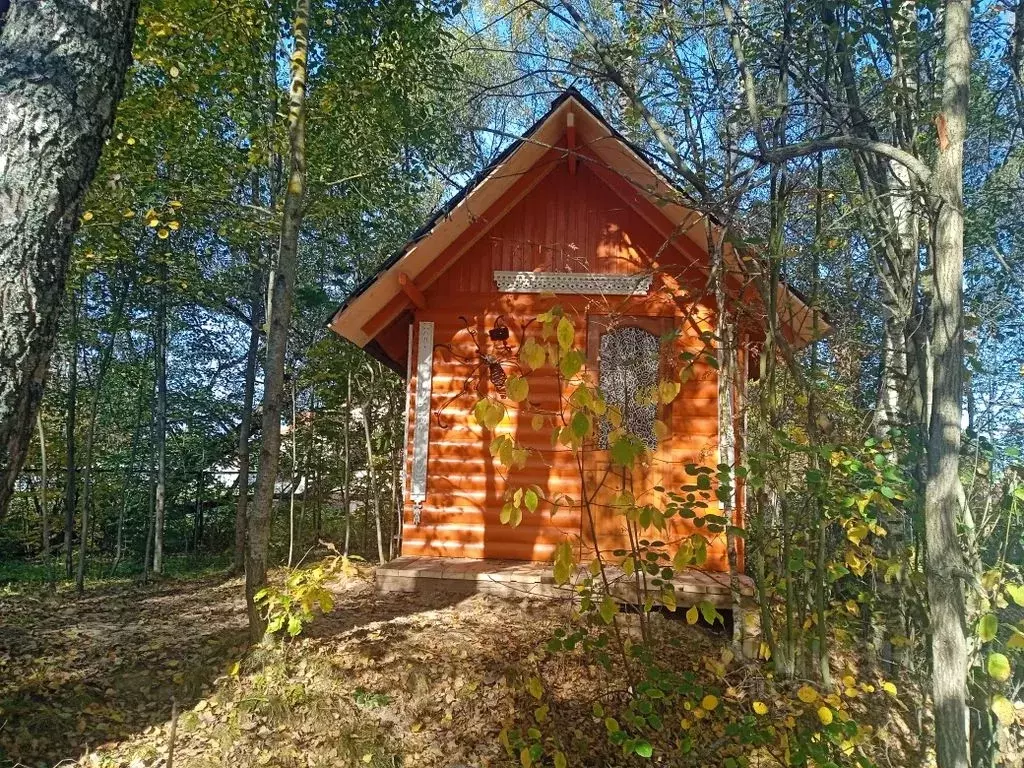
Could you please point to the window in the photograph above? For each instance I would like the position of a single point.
(629, 364)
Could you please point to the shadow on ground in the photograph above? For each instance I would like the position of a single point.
(80, 674)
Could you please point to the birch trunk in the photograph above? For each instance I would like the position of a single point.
(942, 488)
(62, 68)
(279, 314)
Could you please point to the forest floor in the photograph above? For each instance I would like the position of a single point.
(382, 680)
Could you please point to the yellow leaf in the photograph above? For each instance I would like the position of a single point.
(367, 757)
(660, 430)
(560, 761)
(889, 688)
(87, 216)
(154, 222)
(175, 71)
(825, 715)
(175, 204)
(1002, 708)
(416, 727)
(760, 708)
(709, 702)
(807, 695)
(535, 688)
(692, 615)
(857, 533)
(162, 233)
(668, 599)
(174, 225)
(130, 141)
(833, 700)
(849, 681)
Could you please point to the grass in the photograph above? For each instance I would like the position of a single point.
(18, 575)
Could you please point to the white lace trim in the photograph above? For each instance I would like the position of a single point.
(587, 283)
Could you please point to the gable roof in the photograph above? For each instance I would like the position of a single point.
(379, 299)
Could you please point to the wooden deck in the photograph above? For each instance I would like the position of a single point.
(532, 579)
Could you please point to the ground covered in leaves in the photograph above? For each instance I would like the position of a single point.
(415, 680)
(383, 680)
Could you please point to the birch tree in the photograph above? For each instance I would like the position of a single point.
(62, 69)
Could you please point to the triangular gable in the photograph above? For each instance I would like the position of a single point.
(379, 300)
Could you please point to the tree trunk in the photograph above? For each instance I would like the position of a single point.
(44, 509)
(128, 474)
(245, 428)
(62, 68)
(294, 480)
(346, 494)
(71, 489)
(151, 508)
(372, 490)
(90, 435)
(279, 315)
(942, 488)
(160, 363)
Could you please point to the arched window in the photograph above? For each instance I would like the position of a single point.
(629, 365)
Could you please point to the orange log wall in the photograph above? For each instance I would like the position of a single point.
(566, 223)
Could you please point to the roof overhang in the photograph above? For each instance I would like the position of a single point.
(380, 299)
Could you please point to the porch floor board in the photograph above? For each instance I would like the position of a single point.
(535, 579)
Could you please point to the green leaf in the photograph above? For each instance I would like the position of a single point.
(608, 609)
(571, 363)
(563, 563)
(998, 667)
(565, 333)
(888, 492)
(532, 354)
(580, 424)
(988, 626)
(530, 499)
(1016, 640)
(611, 724)
(643, 748)
(1016, 593)
(707, 610)
(624, 451)
(517, 388)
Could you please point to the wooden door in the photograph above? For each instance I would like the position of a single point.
(628, 357)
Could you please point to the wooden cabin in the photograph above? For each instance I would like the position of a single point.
(570, 215)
